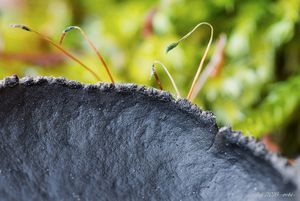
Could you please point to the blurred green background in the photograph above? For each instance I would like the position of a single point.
(257, 89)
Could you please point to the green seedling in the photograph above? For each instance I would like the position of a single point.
(173, 45)
(153, 72)
(26, 28)
(197, 82)
(92, 46)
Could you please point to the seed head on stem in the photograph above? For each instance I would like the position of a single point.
(26, 28)
(173, 45)
(153, 72)
(91, 45)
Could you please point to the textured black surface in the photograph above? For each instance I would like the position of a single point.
(60, 140)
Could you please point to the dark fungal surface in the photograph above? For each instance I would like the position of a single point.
(62, 140)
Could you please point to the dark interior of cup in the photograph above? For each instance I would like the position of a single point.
(61, 140)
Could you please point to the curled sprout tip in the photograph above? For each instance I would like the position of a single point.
(91, 45)
(21, 26)
(68, 29)
(169, 75)
(171, 46)
(63, 34)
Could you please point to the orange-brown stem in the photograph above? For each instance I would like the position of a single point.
(202, 60)
(153, 72)
(62, 38)
(175, 44)
(58, 47)
(212, 67)
(91, 44)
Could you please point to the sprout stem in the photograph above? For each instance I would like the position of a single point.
(167, 72)
(173, 45)
(153, 73)
(91, 44)
(57, 46)
(214, 64)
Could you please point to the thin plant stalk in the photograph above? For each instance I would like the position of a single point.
(167, 72)
(57, 46)
(173, 45)
(215, 63)
(154, 73)
(92, 46)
